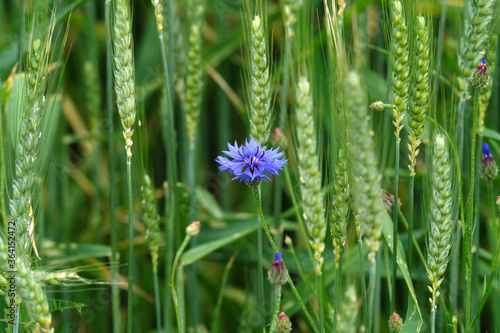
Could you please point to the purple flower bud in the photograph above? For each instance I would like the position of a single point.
(489, 168)
(479, 78)
(283, 325)
(278, 275)
(395, 323)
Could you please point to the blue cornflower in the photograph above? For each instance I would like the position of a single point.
(251, 162)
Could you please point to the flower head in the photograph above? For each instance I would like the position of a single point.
(277, 275)
(251, 162)
(479, 78)
(489, 168)
(283, 325)
(193, 229)
(395, 323)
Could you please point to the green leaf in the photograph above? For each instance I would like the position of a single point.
(413, 321)
(56, 253)
(208, 202)
(222, 237)
(489, 133)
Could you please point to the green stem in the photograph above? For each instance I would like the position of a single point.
(337, 288)
(320, 303)
(277, 301)
(297, 208)
(271, 241)
(278, 195)
(115, 291)
(371, 291)
(172, 280)
(303, 276)
(2, 167)
(395, 209)
(433, 319)
(157, 301)
(171, 194)
(215, 319)
(410, 222)
(260, 269)
(494, 264)
(470, 218)
(492, 203)
(362, 278)
(415, 243)
(130, 247)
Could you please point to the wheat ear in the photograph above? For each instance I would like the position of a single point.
(194, 74)
(124, 72)
(364, 171)
(260, 81)
(310, 172)
(421, 88)
(340, 210)
(440, 233)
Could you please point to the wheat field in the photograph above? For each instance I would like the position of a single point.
(270, 166)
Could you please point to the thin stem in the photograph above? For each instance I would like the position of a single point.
(296, 205)
(433, 316)
(337, 288)
(320, 303)
(171, 194)
(271, 241)
(2, 169)
(130, 247)
(172, 280)
(301, 271)
(395, 209)
(371, 291)
(410, 223)
(494, 264)
(277, 301)
(470, 219)
(215, 322)
(362, 276)
(492, 203)
(157, 301)
(260, 269)
(115, 291)
(282, 124)
(415, 243)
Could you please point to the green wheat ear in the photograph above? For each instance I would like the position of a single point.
(421, 89)
(400, 64)
(440, 232)
(194, 74)
(124, 72)
(260, 82)
(364, 170)
(340, 210)
(151, 218)
(310, 172)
